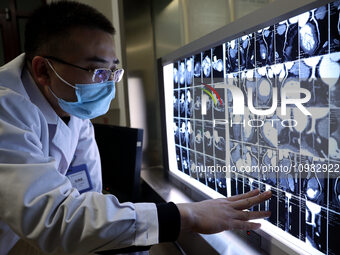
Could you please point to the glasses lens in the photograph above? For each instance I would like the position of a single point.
(101, 75)
(118, 75)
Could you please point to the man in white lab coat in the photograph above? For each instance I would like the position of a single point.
(50, 173)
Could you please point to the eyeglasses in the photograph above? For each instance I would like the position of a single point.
(99, 74)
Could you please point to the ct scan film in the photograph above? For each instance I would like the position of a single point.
(263, 111)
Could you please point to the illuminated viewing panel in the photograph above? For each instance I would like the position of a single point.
(263, 111)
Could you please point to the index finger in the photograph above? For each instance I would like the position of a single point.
(250, 201)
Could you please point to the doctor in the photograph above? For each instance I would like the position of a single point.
(50, 173)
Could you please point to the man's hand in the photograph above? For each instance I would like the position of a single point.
(216, 215)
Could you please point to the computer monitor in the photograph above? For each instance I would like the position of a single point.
(256, 104)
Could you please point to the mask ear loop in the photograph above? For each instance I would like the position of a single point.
(67, 83)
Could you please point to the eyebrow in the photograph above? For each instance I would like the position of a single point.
(101, 60)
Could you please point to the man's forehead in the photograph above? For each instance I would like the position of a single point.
(92, 45)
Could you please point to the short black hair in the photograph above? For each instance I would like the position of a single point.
(53, 21)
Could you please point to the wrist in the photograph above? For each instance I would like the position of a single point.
(187, 220)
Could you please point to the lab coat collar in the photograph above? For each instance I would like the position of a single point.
(11, 73)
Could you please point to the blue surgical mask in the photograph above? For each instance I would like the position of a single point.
(93, 99)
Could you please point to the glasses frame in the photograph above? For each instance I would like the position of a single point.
(112, 74)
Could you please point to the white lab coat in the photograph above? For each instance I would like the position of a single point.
(37, 201)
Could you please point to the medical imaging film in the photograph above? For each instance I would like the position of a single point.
(175, 71)
(193, 165)
(221, 184)
(219, 134)
(197, 71)
(219, 107)
(247, 52)
(197, 102)
(208, 138)
(231, 56)
(199, 136)
(266, 107)
(176, 130)
(210, 174)
(334, 28)
(182, 103)
(206, 66)
(217, 64)
(181, 73)
(286, 40)
(189, 71)
(265, 54)
(201, 167)
(313, 32)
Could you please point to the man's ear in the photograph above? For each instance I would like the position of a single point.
(40, 71)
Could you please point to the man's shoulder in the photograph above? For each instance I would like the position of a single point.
(17, 108)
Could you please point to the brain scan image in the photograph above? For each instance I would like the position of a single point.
(176, 103)
(267, 159)
(334, 187)
(200, 165)
(232, 79)
(333, 232)
(190, 135)
(265, 82)
(313, 32)
(265, 47)
(189, 72)
(181, 73)
(250, 132)
(250, 159)
(334, 26)
(329, 72)
(236, 155)
(210, 175)
(286, 39)
(314, 183)
(197, 69)
(314, 135)
(178, 158)
(315, 79)
(193, 165)
(247, 79)
(183, 133)
(221, 185)
(188, 103)
(206, 67)
(176, 130)
(218, 108)
(176, 75)
(219, 141)
(289, 181)
(334, 137)
(197, 102)
(185, 161)
(232, 60)
(289, 135)
(236, 129)
(217, 64)
(268, 131)
(199, 136)
(316, 224)
(247, 52)
(208, 138)
(182, 103)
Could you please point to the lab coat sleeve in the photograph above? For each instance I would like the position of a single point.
(39, 203)
(87, 153)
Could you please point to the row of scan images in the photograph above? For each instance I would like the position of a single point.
(319, 75)
(312, 33)
(300, 204)
(317, 137)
